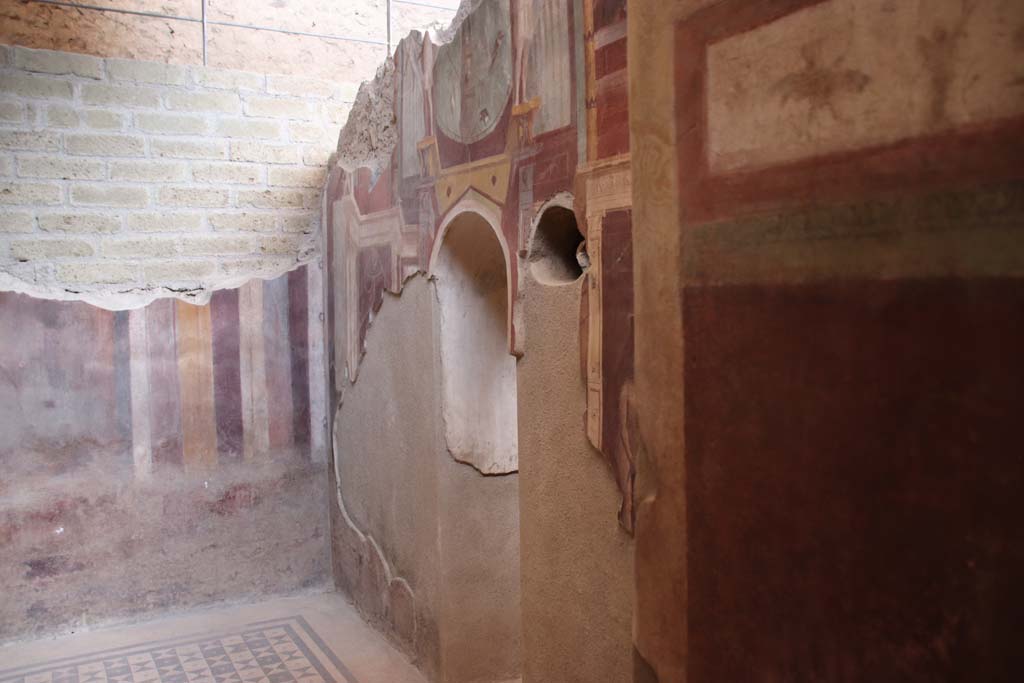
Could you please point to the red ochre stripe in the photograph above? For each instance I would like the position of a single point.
(298, 334)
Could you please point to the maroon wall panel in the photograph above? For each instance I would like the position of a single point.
(854, 481)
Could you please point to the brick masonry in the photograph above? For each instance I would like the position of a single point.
(113, 171)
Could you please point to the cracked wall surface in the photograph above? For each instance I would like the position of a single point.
(124, 181)
(489, 116)
(515, 107)
(427, 547)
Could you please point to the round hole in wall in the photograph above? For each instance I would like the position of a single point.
(557, 250)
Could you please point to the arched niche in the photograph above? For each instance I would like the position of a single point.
(470, 270)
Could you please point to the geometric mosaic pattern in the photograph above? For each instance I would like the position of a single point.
(267, 653)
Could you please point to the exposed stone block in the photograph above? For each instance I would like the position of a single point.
(300, 131)
(280, 245)
(12, 111)
(147, 247)
(147, 72)
(224, 151)
(61, 168)
(261, 152)
(306, 222)
(79, 222)
(30, 193)
(228, 172)
(36, 86)
(150, 171)
(189, 149)
(256, 265)
(130, 96)
(170, 124)
(101, 118)
(101, 272)
(109, 195)
(216, 245)
(192, 196)
(272, 199)
(164, 222)
(61, 116)
(316, 156)
(238, 222)
(249, 128)
(223, 103)
(91, 144)
(25, 250)
(51, 62)
(278, 107)
(38, 140)
(299, 176)
(179, 271)
(20, 222)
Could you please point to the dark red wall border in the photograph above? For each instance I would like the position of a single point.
(987, 152)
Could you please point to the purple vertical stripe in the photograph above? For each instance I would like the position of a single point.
(227, 378)
(277, 352)
(335, 183)
(57, 380)
(298, 335)
(165, 395)
(123, 383)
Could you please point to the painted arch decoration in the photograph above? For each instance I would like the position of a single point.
(527, 101)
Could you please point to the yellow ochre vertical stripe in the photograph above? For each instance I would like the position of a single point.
(195, 375)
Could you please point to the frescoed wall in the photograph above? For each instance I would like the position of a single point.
(829, 252)
(484, 130)
(160, 458)
(520, 106)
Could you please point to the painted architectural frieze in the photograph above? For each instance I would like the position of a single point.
(526, 101)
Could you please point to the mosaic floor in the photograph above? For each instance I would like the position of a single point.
(278, 652)
(234, 645)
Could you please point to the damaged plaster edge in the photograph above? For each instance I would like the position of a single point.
(131, 297)
(370, 134)
(353, 373)
(467, 463)
(432, 283)
(375, 103)
(366, 537)
(390, 576)
(462, 459)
